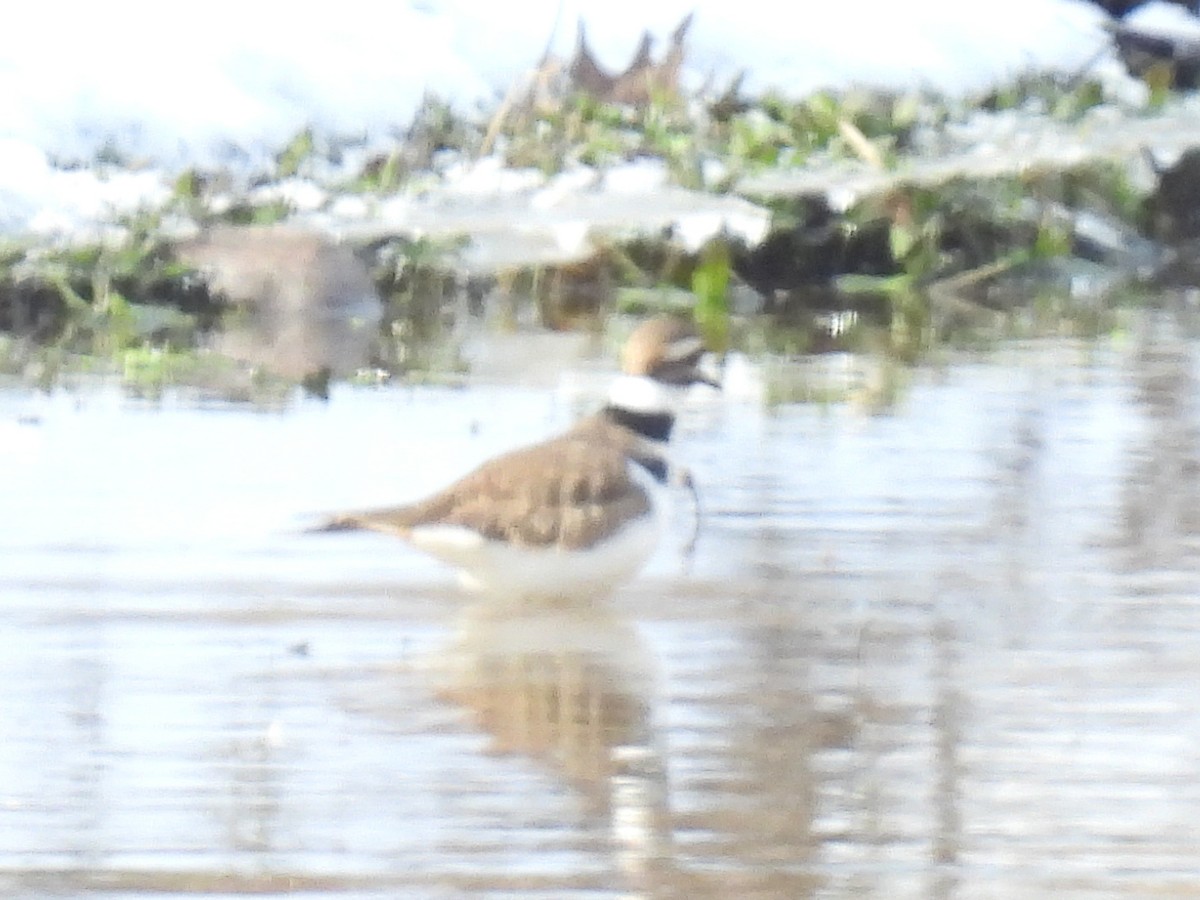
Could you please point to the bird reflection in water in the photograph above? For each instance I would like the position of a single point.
(572, 686)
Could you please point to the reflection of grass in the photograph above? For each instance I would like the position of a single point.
(145, 372)
(149, 371)
(220, 882)
(873, 384)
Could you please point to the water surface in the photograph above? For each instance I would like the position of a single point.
(946, 652)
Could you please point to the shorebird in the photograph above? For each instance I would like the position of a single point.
(576, 515)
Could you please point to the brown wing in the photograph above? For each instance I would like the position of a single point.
(568, 492)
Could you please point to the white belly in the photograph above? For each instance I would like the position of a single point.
(504, 570)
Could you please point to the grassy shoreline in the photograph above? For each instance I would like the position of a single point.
(888, 231)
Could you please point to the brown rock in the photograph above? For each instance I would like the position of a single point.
(300, 305)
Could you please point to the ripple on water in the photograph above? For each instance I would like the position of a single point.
(943, 652)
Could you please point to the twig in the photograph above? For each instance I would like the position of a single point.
(686, 480)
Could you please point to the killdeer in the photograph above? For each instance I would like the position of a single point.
(573, 516)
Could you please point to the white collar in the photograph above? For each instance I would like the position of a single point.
(640, 394)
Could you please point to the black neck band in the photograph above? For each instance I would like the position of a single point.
(654, 426)
(655, 465)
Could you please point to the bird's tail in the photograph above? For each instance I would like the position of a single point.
(336, 523)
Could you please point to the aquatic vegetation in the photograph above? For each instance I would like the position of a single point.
(710, 285)
(102, 297)
(416, 281)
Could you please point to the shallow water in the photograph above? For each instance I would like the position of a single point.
(947, 652)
